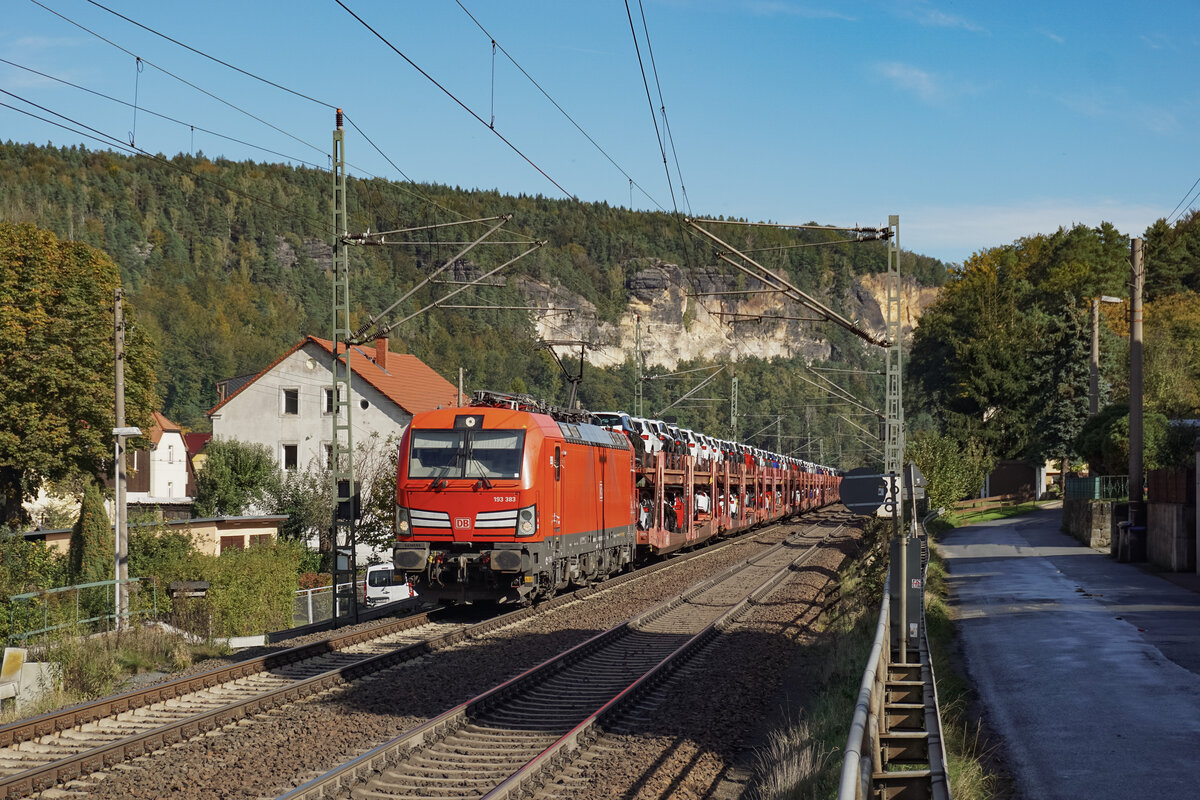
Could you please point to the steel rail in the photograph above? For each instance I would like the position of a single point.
(356, 771)
(520, 783)
(69, 768)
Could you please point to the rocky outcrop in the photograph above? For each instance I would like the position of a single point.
(682, 318)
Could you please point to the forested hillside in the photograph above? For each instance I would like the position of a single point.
(226, 264)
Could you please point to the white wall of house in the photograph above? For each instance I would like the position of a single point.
(168, 467)
(286, 410)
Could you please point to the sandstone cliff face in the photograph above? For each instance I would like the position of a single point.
(677, 325)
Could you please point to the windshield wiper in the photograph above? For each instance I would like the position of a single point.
(438, 483)
(484, 482)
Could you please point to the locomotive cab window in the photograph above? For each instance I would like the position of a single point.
(466, 453)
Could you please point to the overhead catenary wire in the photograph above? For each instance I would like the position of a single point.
(663, 106)
(257, 77)
(184, 81)
(166, 117)
(203, 54)
(498, 46)
(1187, 194)
(453, 97)
(113, 141)
(653, 117)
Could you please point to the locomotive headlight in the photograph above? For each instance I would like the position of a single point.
(527, 521)
(403, 524)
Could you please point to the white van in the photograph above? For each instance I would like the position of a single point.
(382, 587)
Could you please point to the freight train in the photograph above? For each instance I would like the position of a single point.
(511, 500)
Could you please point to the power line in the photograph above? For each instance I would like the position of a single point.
(460, 103)
(1171, 216)
(178, 78)
(645, 83)
(164, 116)
(555, 103)
(663, 107)
(209, 57)
(109, 140)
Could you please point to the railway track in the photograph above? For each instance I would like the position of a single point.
(510, 739)
(65, 745)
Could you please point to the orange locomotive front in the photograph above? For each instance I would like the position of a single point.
(511, 500)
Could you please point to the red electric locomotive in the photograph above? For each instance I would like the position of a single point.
(511, 500)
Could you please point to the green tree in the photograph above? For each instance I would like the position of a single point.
(1172, 355)
(251, 590)
(307, 496)
(1059, 381)
(237, 477)
(56, 363)
(161, 553)
(1104, 441)
(1002, 354)
(954, 470)
(25, 567)
(91, 552)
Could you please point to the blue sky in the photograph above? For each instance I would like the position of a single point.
(977, 123)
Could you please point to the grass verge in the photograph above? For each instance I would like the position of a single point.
(95, 666)
(956, 519)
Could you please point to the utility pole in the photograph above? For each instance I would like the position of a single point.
(120, 523)
(343, 439)
(1137, 511)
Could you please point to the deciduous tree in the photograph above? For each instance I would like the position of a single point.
(56, 363)
(237, 478)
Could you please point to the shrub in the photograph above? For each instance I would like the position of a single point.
(251, 590)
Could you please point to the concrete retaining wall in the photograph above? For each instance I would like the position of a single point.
(1090, 521)
(1171, 536)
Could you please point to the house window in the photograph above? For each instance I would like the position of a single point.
(170, 454)
(170, 488)
(233, 543)
(327, 400)
(263, 539)
(291, 401)
(291, 456)
(328, 456)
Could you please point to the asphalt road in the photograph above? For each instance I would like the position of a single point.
(1089, 669)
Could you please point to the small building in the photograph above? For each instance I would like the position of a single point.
(158, 476)
(1019, 479)
(212, 536)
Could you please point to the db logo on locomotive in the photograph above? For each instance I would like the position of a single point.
(462, 522)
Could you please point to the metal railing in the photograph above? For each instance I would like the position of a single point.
(864, 765)
(316, 605)
(79, 605)
(1099, 487)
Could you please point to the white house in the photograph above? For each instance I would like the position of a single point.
(289, 405)
(159, 472)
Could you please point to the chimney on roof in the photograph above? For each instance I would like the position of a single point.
(381, 352)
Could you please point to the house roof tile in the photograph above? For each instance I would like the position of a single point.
(161, 425)
(408, 381)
